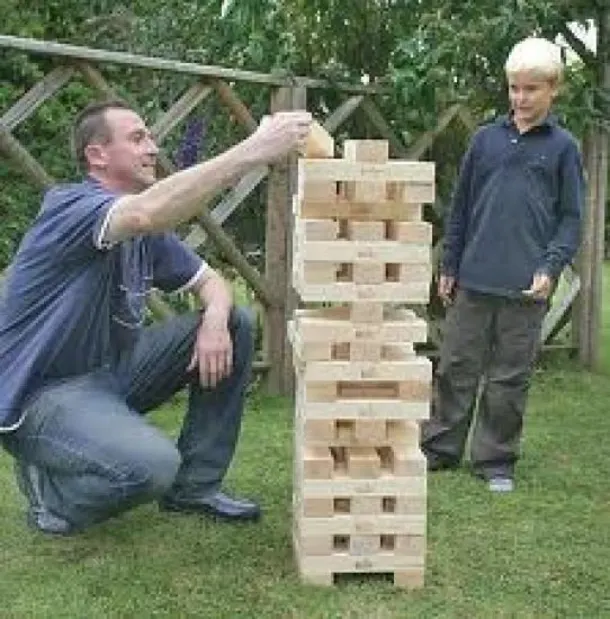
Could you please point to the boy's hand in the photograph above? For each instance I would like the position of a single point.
(540, 288)
(446, 285)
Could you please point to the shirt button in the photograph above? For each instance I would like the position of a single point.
(514, 140)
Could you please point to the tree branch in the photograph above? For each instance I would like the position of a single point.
(586, 55)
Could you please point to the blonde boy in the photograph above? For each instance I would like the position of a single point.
(514, 225)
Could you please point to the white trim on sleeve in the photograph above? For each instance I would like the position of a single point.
(191, 282)
(99, 242)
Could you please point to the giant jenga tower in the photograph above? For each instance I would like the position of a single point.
(360, 248)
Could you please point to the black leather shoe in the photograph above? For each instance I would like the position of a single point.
(49, 524)
(217, 505)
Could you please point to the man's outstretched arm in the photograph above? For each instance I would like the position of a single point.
(177, 198)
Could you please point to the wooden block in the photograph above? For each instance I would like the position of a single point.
(317, 508)
(397, 352)
(402, 432)
(320, 143)
(366, 312)
(319, 229)
(363, 463)
(315, 351)
(412, 192)
(374, 151)
(315, 193)
(412, 578)
(318, 463)
(348, 292)
(368, 273)
(316, 545)
(385, 485)
(365, 505)
(341, 351)
(415, 173)
(366, 230)
(364, 545)
(319, 272)
(417, 369)
(343, 562)
(402, 462)
(377, 151)
(409, 273)
(321, 430)
(373, 523)
(411, 505)
(418, 232)
(359, 351)
(370, 430)
(315, 206)
(343, 250)
(410, 544)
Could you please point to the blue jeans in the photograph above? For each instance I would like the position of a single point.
(89, 451)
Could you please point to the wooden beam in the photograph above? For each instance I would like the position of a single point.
(278, 256)
(179, 110)
(342, 113)
(63, 50)
(13, 149)
(592, 250)
(379, 122)
(50, 84)
(555, 318)
(230, 98)
(225, 208)
(426, 140)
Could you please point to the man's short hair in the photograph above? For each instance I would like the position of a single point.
(90, 126)
(535, 55)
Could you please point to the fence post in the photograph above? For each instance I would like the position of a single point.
(278, 254)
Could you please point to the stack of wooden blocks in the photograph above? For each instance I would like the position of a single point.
(360, 248)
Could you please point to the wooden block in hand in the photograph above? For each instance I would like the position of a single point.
(320, 144)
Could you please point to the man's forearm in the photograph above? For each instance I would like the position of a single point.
(177, 198)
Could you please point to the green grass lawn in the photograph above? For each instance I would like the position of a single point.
(542, 552)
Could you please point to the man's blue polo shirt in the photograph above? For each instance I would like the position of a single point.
(516, 209)
(71, 302)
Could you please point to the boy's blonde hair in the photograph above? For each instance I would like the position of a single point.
(535, 55)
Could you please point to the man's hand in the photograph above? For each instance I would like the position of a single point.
(213, 352)
(446, 286)
(280, 134)
(540, 288)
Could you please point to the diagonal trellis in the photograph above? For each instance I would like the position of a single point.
(272, 288)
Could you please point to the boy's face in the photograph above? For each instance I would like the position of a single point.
(531, 97)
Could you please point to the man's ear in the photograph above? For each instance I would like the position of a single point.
(96, 155)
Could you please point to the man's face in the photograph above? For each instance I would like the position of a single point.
(531, 97)
(127, 162)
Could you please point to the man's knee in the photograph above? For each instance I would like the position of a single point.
(155, 470)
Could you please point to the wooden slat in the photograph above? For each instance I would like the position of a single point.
(50, 84)
(16, 151)
(380, 123)
(49, 48)
(426, 140)
(239, 109)
(342, 113)
(555, 317)
(179, 110)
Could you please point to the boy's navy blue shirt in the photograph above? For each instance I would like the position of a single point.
(517, 208)
(71, 303)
